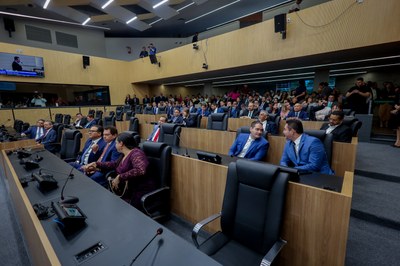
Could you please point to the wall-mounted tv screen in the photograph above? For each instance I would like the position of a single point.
(21, 65)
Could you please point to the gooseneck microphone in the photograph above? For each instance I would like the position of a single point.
(159, 232)
(70, 199)
(180, 140)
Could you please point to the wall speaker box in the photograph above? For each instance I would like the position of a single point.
(280, 22)
(9, 24)
(86, 61)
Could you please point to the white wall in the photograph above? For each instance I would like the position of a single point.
(90, 42)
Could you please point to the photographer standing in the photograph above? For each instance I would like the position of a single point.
(38, 101)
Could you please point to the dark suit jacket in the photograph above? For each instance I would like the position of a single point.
(257, 151)
(153, 132)
(312, 156)
(188, 122)
(31, 132)
(302, 115)
(90, 124)
(49, 141)
(192, 109)
(271, 128)
(206, 112)
(111, 154)
(342, 133)
(234, 113)
(92, 156)
(254, 115)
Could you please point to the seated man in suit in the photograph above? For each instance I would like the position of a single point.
(234, 111)
(203, 111)
(35, 132)
(340, 132)
(187, 121)
(156, 129)
(176, 118)
(93, 148)
(250, 112)
(109, 154)
(49, 137)
(302, 151)
(250, 146)
(90, 121)
(214, 109)
(79, 122)
(298, 112)
(268, 126)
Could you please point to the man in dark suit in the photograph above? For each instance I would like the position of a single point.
(215, 109)
(187, 121)
(79, 122)
(234, 111)
(303, 152)
(250, 146)
(90, 121)
(298, 112)
(93, 148)
(268, 126)
(49, 137)
(176, 118)
(340, 132)
(35, 132)
(108, 154)
(250, 112)
(156, 129)
(203, 111)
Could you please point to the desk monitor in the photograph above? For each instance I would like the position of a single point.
(209, 157)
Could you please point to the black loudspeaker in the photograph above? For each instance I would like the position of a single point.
(9, 24)
(280, 23)
(86, 61)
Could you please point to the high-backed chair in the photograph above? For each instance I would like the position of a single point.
(67, 119)
(138, 109)
(218, 121)
(326, 139)
(109, 121)
(98, 115)
(83, 121)
(170, 134)
(92, 112)
(58, 128)
(246, 129)
(225, 109)
(134, 124)
(126, 108)
(128, 115)
(18, 125)
(111, 113)
(196, 118)
(25, 126)
(353, 123)
(156, 204)
(58, 118)
(135, 135)
(70, 145)
(251, 216)
(162, 110)
(119, 115)
(148, 110)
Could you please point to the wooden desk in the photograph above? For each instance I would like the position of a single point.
(26, 143)
(316, 221)
(306, 125)
(235, 123)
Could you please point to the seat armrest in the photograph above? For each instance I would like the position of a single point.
(157, 200)
(69, 160)
(199, 225)
(111, 174)
(273, 252)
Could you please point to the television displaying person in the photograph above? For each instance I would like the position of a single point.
(16, 64)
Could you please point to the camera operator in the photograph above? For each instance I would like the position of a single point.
(38, 101)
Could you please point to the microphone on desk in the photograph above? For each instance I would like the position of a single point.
(159, 232)
(70, 199)
(180, 140)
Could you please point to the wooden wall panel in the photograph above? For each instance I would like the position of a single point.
(6, 118)
(31, 115)
(235, 123)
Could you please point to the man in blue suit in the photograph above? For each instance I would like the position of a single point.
(298, 112)
(250, 146)
(35, 132)
(93, 148)
(203, 111)
(302, 151)
(49, 137)
(90, 121)
(177, 118)
(108, 154)
(215, 109)
(156, 129)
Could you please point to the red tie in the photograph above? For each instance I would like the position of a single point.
(155, 138)
(104, 152)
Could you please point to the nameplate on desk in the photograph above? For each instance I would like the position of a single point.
(209, 157)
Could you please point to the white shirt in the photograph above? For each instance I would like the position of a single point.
(246, 147)
(331, 128)
(297, 145)
(265, 123)
(39, 133)
(88, 151)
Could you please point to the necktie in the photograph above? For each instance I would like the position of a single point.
(297, 114)
(156, 135)
(250, 113)
(294, 148)
(39, 133)
(104, 152)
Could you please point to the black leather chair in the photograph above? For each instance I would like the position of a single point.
(353, 123)
(217, 121)
(58, 128)
(349, 112)
(91, 112)
(129, 115)
(156, 204)
(58, 118)
(251, 216)
(119, 115)
(148, 111)
(18, 125)
(134, 124)
(111, 113)
(135, 135)
(225, 109)
(70, 145)
(196, 118)
(67, 119)
(326, 139)
(98, 115)
(246, 129)
(138, 109)
(170, 134)
(83, 121)
(109, 121)
(126, 108)
(25, 126)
